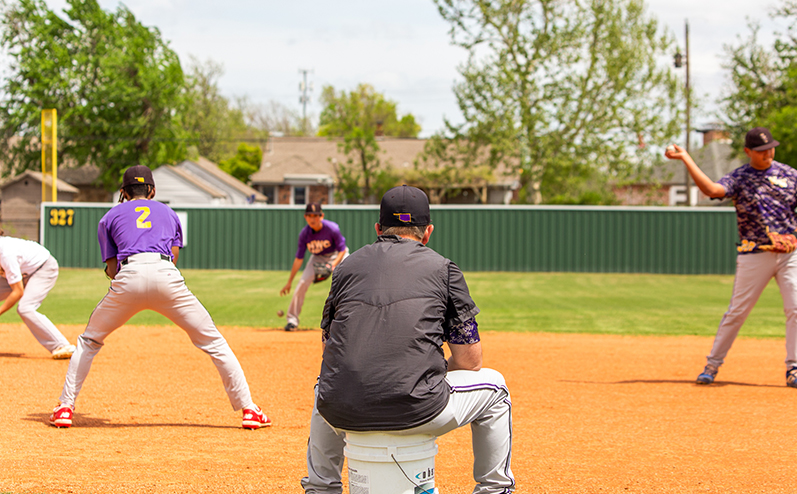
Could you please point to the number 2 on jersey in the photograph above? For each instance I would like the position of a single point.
(140, 223)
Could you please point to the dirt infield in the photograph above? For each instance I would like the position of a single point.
(591, 414)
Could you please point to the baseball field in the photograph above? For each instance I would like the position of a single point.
(601, 369)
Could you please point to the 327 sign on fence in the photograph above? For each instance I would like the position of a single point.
(62, 217)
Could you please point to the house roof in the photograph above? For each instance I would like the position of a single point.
(297, 156)
(81, 175)
(192, 179)
(303, 159)
(217, 173)
(716, 159)
(206, 177)
(61, 185)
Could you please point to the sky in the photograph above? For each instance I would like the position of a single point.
(401, 48)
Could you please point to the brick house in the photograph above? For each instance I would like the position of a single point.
(21, 204)
(666, 185)
(300, 170)
(84, 178)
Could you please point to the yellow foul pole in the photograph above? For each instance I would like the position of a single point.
(50, 153)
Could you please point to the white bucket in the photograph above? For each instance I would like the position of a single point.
(373, 470)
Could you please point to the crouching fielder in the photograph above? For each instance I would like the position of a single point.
(29, 273)
(140, 241)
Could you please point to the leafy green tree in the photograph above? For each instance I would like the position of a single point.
(116, 84)
(441, 182)
(562, 91)
(763, 85)
(245, 162)
(357, 118)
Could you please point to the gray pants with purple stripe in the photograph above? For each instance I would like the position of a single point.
(753, 274)
(479, 398)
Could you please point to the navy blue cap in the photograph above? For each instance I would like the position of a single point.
(138, 174)
(759, 139)
(313, 208)
(404, 206)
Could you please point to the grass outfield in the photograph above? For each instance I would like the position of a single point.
(626, 304)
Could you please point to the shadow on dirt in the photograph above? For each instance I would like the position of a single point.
(22, 355)
(282, 330)
(85, 422)
(717, 384)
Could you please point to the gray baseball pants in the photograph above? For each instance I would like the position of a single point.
(308, 274)
(149, 282)
(479, 398)
(753, 272)
(37, 286)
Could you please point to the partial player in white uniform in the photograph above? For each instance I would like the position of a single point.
(140, 241)
(29, 273)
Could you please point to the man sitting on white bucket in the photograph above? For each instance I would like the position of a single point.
(391, 307)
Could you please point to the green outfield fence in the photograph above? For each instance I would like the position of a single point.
(477, 238)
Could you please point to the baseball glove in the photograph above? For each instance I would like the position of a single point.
(322, 271)
(781, 242)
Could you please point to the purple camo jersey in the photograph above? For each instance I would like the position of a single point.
(139, 226)
(466, 333)
(763, 198)
(323, 242)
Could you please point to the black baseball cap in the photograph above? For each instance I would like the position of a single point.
(313, 208)
(404, 206)
(759, 139)
(138, 174)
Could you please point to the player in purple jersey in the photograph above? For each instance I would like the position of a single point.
(764, 193)
(140, 242)
(322, 238)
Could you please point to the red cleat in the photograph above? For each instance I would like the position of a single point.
(62, 416)
(254, 418)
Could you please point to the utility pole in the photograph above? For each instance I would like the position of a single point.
(680, 61)
(688, 111)
(304, 88)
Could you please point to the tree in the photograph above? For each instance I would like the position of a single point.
(562, 91)
(116, 84)
(213, 122)
(245, 162)
(273, 118)
(762, 88)
(357, 118)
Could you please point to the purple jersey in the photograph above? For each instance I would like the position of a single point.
(323, 242)
(763, 199)
(139, 226)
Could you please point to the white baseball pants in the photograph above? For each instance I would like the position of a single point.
(149, 282)
(479, 398)
(308, 274)
(37, 286)
(753, 272)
